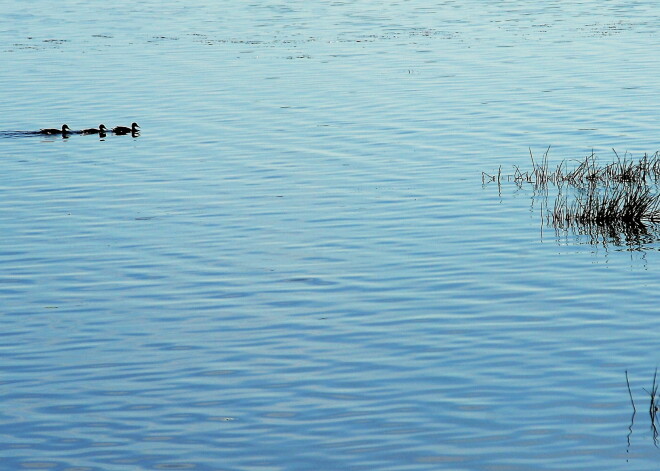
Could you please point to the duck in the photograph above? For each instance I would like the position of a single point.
(65, 130)
(124, 130)
(101, 130)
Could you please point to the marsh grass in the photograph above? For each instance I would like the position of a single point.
(653, 407)
(623, 214)
(589, 170)
(617, 201)
(611, 205)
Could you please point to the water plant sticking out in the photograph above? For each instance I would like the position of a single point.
(653, 411)
(629, 204)
(618, 201)
(654, 407)
(589, 170)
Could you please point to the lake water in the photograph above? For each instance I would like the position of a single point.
(296, 265)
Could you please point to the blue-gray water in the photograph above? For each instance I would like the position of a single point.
(296, 266)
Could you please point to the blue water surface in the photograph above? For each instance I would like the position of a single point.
(296, 265)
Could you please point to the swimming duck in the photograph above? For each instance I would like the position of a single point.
(101, 130)
(124, 130)
(65, 130)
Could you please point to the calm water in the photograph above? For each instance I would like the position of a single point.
(296, 266)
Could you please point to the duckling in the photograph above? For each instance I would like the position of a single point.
(65, 130)
(124, 130)
(101, 130)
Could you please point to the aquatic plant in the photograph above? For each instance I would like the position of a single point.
(588, 170)
(617, 202)
(653, 407)
(627, 204)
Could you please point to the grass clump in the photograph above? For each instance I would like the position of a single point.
(614, 204)
(588, 170)
(615, 201)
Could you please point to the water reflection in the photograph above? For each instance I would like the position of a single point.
(635, 236)
(632, 417)
(653, 407)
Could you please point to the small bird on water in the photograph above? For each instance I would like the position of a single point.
(101, 130)
(124, 130)
(65, 130)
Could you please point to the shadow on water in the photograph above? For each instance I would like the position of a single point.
(614, 204)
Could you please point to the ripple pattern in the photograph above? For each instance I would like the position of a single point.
(295, 265)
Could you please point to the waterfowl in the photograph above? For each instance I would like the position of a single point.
(101, 130)
(124, 130)
(65, 130)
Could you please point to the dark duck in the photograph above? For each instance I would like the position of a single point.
(101, 130)
(64, 131)
(134, 129)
